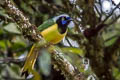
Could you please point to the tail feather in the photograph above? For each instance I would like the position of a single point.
(30, 61)
(25, 73)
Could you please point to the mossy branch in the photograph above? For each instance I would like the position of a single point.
(30, 32)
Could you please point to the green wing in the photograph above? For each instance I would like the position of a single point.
(46, 24)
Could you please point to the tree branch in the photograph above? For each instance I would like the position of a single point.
(110, 13)
(67, 68)
(90, 32)
(30, 31)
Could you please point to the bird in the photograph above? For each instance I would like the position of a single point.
(53, 31)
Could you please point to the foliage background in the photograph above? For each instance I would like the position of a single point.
(87, 14)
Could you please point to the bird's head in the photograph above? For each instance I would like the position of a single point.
(63, 22)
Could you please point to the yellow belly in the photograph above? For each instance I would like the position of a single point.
(52, 34)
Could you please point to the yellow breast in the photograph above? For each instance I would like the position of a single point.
(52, 35)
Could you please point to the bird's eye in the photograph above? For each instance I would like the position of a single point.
(63, 18)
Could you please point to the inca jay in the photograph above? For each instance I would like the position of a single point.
(53, 32)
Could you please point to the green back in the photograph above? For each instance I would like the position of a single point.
(46, 24)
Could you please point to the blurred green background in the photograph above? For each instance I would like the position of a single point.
(14, 47)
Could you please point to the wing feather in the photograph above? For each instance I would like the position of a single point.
(46, 24)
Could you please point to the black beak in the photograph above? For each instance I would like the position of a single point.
(70, 20)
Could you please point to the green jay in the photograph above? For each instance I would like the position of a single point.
(53, 31)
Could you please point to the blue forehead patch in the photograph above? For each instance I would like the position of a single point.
(64, 22)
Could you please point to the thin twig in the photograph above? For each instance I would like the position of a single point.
(98, 11)
(68, 41)
(115, 36)
(11, 60)
(113, 21)
(110, 13)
